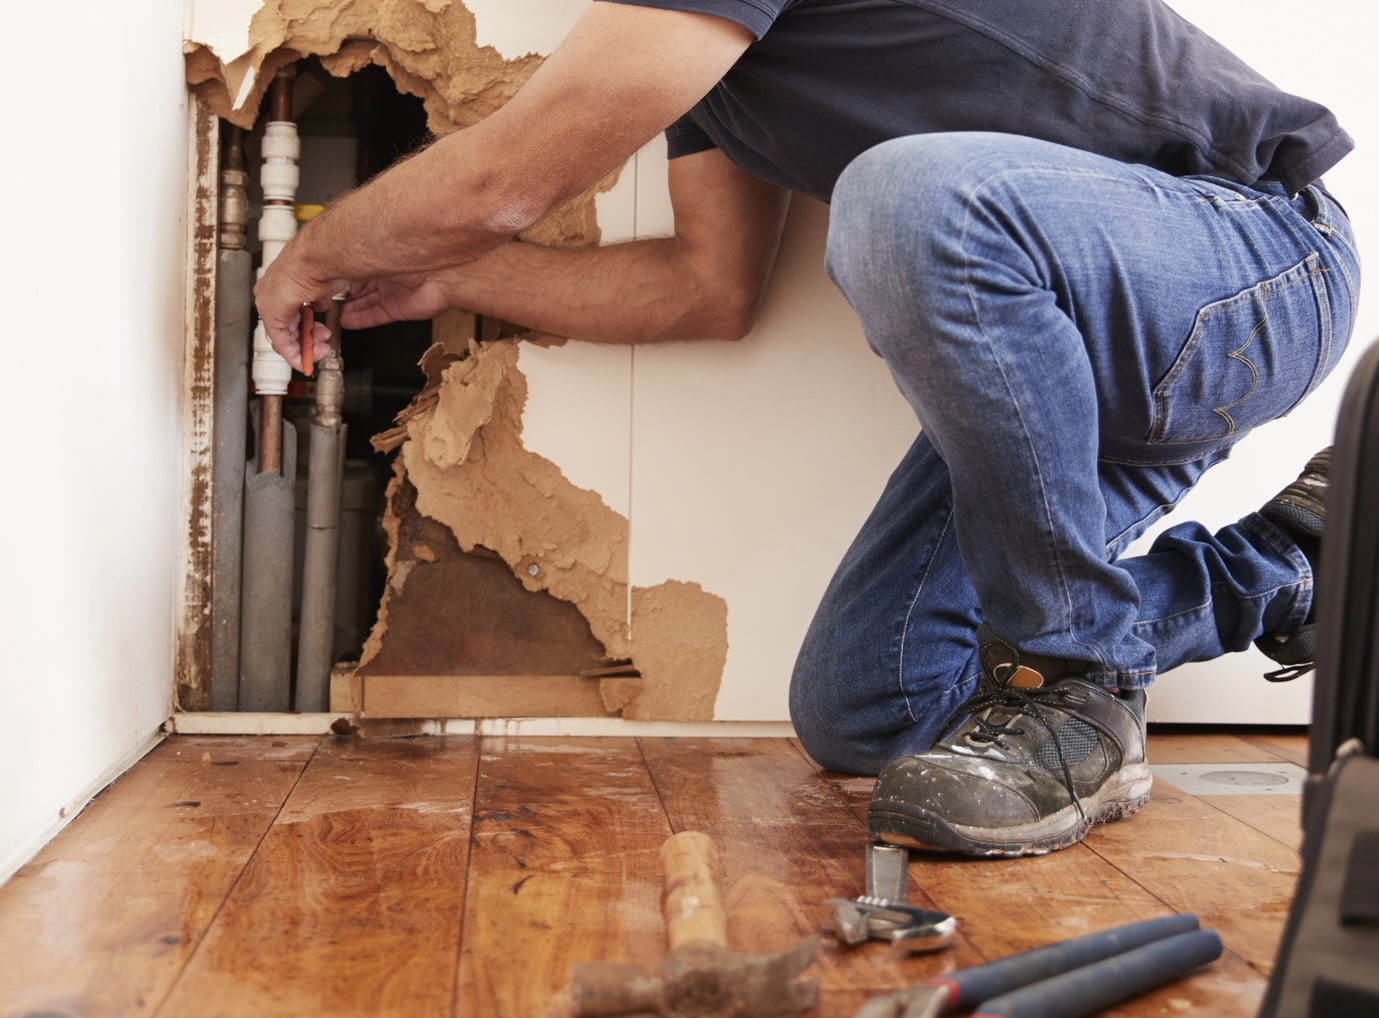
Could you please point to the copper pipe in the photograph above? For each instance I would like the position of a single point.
(280, 95)
(271, 435)
(337, 305)
(308, 343)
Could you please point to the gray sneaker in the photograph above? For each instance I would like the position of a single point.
(1035, 764)
(1300, 509)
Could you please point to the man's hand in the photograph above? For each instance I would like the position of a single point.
(396, 299)
(623, 73)
(280, 294)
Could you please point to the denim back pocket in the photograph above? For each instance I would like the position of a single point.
(1249, 359)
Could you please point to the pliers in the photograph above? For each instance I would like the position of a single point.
(1064, 980)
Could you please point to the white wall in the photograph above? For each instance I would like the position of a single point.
(91, 301)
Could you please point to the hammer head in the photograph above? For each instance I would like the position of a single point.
(701, 980)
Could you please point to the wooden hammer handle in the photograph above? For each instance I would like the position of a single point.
(692, 905)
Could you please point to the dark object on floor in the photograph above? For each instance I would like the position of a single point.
(1074, 977)
(1325, 966)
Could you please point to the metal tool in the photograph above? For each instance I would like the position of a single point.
(1064, 980)
(700, 977)
(882, 913)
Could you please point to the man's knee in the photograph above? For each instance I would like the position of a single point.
(857, 727)
(887, 204)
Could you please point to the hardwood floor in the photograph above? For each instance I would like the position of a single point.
(453, 875)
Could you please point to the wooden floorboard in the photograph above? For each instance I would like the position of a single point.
(461, 876)
(352, 903)
(565, 868)
(107, 916)
(1290, 746)
(788, 841)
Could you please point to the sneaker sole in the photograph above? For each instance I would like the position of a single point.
(899, 823)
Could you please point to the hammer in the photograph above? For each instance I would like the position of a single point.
(701, 977)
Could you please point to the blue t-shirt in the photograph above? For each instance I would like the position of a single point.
(1129, 79)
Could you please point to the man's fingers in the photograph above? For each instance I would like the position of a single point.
(364, 318)
(320, 340)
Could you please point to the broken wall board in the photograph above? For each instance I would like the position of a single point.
(432, 50)
(478, 696)
(461, 446)
(456, 613)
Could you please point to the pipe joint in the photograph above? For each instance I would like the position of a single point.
(277, 223)
(330, 390)
(281, 150)
(234, 209)
(271, 373)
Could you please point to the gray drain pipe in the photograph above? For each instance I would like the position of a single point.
(316, 638)
(265, 647)
(233, 299)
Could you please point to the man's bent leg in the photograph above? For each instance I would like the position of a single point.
(890, 652)
(1045, 310)
(1005, 282)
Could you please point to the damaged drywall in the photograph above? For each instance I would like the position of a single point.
(461, 461)
(428, 47)
(460, 444)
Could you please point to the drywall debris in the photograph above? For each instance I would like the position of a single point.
(428, 47)
(460, 445)
(464, 614)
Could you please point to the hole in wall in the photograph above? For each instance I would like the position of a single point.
(352, 128)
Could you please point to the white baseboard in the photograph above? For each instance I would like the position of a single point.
(244, 723)
(12, 863)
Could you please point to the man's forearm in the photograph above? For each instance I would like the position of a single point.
(396, 225)
(640, 291)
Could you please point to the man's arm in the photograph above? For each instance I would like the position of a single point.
(705, 282)
(623, 74)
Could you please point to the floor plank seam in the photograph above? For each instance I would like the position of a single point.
(655, 786)
(230, 891)
(457, 985)
(1206, 801)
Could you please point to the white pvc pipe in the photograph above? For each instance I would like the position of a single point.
(277, 225)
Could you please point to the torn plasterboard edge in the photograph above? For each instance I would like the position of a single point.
(461, 447)
(428, 47)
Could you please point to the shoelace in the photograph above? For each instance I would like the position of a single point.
(1025, 705)
(1290, 673)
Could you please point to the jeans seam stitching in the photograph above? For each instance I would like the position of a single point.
(1059, 568)
(905, 628)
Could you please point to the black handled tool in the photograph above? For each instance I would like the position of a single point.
(1067, 979)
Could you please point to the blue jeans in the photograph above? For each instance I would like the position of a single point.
(1080, 339)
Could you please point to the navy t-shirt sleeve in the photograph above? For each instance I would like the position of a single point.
(754, 15)
(685, 137)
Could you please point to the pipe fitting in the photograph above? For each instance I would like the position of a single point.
(330, 390)
(234, 210)
(281, 150)
(271, 373)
